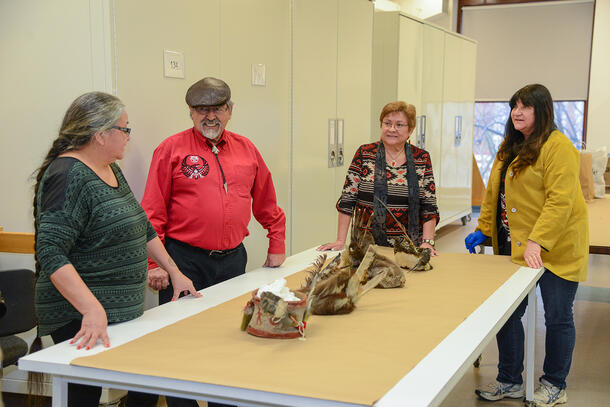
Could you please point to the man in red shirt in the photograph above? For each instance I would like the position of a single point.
(201, 186)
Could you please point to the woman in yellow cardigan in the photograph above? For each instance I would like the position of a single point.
(535, 212)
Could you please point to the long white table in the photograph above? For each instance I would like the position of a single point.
(427, 384)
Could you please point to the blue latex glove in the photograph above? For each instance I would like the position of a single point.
(474, 239)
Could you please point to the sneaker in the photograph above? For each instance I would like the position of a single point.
(498, 390)
(547, 395)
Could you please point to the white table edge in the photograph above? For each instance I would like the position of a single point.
(431, 380)
(417, 384)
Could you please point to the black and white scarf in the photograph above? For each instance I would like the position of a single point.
(380, 191)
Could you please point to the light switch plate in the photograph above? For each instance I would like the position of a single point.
(173, 64)
(258, 75)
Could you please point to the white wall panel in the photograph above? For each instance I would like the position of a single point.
(48, 59)
(454, 190)
(332, 49)
(385, 66)
(431, 105)
(547, 43)
(315, 93)
(355, 48)
(598, 134)
(155, 104)
(260, 113)
(410, 61)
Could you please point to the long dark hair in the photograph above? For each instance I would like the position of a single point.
(90, 113)
(515, 144)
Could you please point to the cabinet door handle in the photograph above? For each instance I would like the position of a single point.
(332, 143)
(458, 130)
(340, 134)
(422, 132)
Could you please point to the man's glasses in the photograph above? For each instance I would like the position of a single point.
(399, 126)
(203, 110)
(126, 130)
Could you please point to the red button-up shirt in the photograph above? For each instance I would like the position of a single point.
(185, 197)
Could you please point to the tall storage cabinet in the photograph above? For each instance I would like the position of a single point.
(434, 70)
(454, 191)
(332, 51)
(258, 33)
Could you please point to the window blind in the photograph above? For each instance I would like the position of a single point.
(547, 43)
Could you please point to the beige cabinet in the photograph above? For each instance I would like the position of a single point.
(430, 110)
(332, 50)
(317, 60)
(434, 70)
(257, 34)
(454, 190)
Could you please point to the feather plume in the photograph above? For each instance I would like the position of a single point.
(404, 244)
(248, 311)
(328, 290)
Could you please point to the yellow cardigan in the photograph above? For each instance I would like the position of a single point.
(544, 203)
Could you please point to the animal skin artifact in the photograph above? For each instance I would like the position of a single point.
(362, 243)
(406, 254)
(270, 316)
(337, 287)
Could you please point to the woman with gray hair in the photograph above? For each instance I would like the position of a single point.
(93, 238)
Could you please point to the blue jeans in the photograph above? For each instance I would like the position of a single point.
(558, 301)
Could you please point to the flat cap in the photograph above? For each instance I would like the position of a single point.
(208, 92)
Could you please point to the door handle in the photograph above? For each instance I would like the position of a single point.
(332, 143)
(422, 132)
(458, 130)
(340, 154)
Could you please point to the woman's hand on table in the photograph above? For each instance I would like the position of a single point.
(433, 251)
(93, 327)
(532, 255)
(336, 245)
(182, 284)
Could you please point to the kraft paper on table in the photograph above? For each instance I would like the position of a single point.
(354, 358)
(599, 222)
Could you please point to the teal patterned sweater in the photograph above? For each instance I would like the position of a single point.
(101, 230)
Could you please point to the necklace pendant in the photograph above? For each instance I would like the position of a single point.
(393, 163)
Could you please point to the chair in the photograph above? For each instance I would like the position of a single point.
(17, 288)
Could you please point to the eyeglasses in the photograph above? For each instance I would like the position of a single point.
(214, 109)
(126, 130)
(398, 126)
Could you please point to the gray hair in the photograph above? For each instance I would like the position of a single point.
(90, 113)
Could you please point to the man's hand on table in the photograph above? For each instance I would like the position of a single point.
(274, 260)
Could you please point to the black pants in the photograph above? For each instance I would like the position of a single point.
(83, 395)
(204, 271)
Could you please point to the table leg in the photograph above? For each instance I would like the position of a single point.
(530, 342)
(60, 392)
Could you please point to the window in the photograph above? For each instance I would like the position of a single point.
(490, 119)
